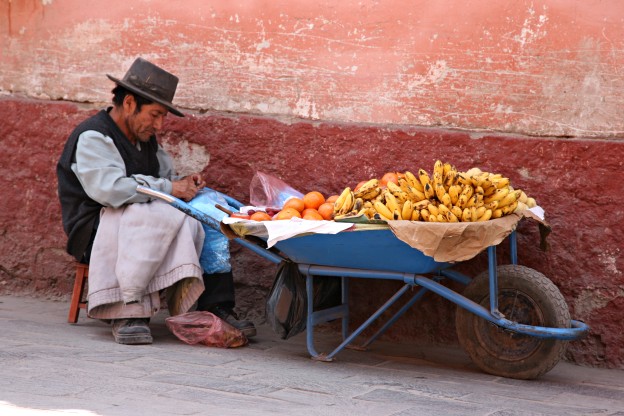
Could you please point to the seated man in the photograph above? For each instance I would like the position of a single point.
(139, 251)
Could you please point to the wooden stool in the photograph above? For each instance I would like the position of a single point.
(82, 273)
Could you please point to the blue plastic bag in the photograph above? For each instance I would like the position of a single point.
(215, 255)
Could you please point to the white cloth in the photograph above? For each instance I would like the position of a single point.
(139, 250)
(284, 229)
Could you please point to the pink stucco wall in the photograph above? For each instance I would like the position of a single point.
(324, 95)
(546, 68)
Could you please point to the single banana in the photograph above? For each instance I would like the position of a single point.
(508, 209)
(446, 200)
(415, 215)
(433, 210)
(473, 214)
(450, 178)
(466, 215)
(467, 190)
(368, 190)
(491, 205)
(348, 204)
(438, 167)
(440, 191)
(501, 183)
(443, 209)
(358, 204)
(462, 201)
(397, 192)
(424, 178)
(523, 197)
(447, 168)
(497, 213)
(406, 210)
(341, 200)
(429, 191)
(486, 215)
(521, 207)
(531, 203)
(497, 195)
(413, 181)
(457, 211)
(437, 180)
(454, 191)
(441, 218)
(417, 195)
(472, 202)
(391, 202)
(422, 204)
(383, 210)
(450, 217)
(396, 215)
(510, 198)
(480, 211)
(463, 179)
(424, 214)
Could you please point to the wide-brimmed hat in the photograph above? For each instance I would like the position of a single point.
(150, 82)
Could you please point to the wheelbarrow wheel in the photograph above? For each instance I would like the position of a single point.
(525, 296)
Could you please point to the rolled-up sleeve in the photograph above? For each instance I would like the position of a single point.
(102, 172)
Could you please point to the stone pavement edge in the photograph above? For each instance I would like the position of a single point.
(50, 367)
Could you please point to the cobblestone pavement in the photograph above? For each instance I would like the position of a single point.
(50, 367)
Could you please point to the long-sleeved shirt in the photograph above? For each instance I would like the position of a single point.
(102, 173)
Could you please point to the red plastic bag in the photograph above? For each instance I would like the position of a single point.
(205, 328)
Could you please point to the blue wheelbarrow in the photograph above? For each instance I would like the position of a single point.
(511, 320)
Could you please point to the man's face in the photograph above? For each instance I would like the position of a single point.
(143, 124)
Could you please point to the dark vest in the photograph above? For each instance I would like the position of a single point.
(81, 213)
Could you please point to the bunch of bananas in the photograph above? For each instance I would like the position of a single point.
(444, 196)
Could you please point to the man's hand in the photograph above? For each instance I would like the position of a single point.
(187, 187)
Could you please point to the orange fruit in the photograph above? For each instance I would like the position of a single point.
(287, 213)
(332, 199)
(296, 203)
(312, 214)
(313, 199)
(260, 216)
(306, 211)
(327, 211)
(389, 177)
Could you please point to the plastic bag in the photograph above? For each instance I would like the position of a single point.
(205, 328)
(215, 255)
(268, 191)
(287, 304)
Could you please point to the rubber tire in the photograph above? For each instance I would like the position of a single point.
(501, 352)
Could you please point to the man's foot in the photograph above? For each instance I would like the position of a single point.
(132, 331)
(229, 316)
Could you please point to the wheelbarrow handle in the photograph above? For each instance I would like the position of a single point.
(182, 206)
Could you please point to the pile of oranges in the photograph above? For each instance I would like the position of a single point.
(312, 206)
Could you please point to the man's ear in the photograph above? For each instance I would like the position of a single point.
(129, 104)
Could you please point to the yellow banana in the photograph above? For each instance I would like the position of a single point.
(473, 172)
(415, 215)
(443, 209)
(433, 210)
(523, 197)
(391, 202)
(466, 215)
(454, 191)
(457, 211)
(463, 179)
(396, 215)
(447, 168)
(341, 200)
(497, 195)
(406, 210)
(429, 191)
(450, 178)
(441, 218)
(446, 200)
(422, 204)
(397, 192)
(347, 206)
(438, 167)
(440, 191)
(423, 176)
(472, 202)
(510, 198)
(497, 213)
(369, 190)
(521, 207)
(501, 183)
(531, 203)
(480, 211)
(437, 180)
(467, 190)
(485, 216)
(508, 209)
(424, 214)
(450, 217)
(473, 214)
(462, 201)
(417, 195)
(358, 204)
(383, 210)
(491, 205)
(413, 181)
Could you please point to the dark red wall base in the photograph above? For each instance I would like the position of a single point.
(577, 182)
